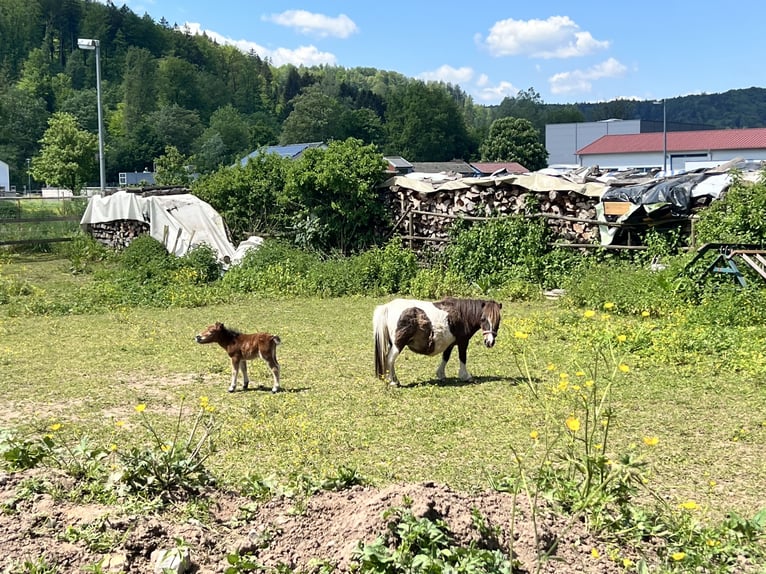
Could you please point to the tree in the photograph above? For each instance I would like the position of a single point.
(171, 168)
(514, 139)
(424, 124)
(249, 197)
(68, 154)
(315, 117)
(335, 189)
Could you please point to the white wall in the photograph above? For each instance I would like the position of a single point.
(676, 161)
(5, 179)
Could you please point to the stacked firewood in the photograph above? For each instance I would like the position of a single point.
(428, 216)
(117, 234)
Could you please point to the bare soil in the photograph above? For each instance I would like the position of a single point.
(302, 534)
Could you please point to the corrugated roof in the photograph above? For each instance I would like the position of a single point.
(487, 168)
(290, 151)
(751, 138)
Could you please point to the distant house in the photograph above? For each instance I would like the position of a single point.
(290, 151)
(457, 167)
(397, 165)
(685, 150)
(498, 168)
(128, 178)
(5, 179)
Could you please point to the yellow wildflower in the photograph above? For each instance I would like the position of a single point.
(689, 505)
(165, 447)
(644, 313)
(678, 556)
(595, 553)
(112, 447)
(55, 427)
(627, 562)
(589, 383)
(140, 408)
(651, 440)
(520, 335)
(623, 368)
(563, 376)
(550, 367)
(589, 313)
(580, 374)
(608, 306)
(203, 402)
(563, 385)
(534, 435)
(573, 424)
(622, 338)
(119, 423)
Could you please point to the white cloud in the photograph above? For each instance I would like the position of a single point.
(556, 37)
(301, 56)
(579, 81)
(494, 94)
(448, 74)
(315, 24)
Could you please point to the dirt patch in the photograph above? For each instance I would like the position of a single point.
(325, 528)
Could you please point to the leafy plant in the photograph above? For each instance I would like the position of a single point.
(173, 468)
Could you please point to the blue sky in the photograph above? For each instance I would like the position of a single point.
(569, 52)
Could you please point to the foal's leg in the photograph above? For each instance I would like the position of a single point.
(274, 366)
(235, 362)
(245, 377)
(443, 365)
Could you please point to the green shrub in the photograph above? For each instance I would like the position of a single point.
(737, 216)
(499, 249)
(632, 290)
(202, 259)
(435, 283)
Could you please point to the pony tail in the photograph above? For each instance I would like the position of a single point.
(381, 340)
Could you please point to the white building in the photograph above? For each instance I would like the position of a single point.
(5, 178)
(674, 151)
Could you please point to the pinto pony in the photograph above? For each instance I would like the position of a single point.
(242, 348)
(429, 329)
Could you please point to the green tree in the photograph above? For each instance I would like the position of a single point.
(514, 139)
(316, 117)
(249, 197)
(68, 154)
(424, 124)
(334, 189)
(171, 168)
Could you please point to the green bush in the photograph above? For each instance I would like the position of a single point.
(630, 289)
(736, 217)
(498, 250)
(202, 259)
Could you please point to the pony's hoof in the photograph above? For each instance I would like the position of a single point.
(231, 389)
(275, 391)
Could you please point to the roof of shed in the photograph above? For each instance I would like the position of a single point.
(488, 168)
(751, 138)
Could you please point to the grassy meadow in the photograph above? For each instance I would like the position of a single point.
(701, 428)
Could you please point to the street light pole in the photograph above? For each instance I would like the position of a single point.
(89, 44)
(664, 140)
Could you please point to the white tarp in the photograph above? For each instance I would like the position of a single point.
(178, 221)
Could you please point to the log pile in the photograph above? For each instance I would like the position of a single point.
(427, 216)
(117, 234)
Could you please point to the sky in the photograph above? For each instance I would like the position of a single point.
(568, 52)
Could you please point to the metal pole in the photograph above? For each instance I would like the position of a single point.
(101, 167)
(664, 140)
(29, 177)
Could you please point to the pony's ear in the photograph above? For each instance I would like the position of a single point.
(499, 305)
(219, 324)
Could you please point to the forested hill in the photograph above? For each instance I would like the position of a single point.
(163, 86)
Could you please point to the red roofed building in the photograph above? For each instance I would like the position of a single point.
(685, 150)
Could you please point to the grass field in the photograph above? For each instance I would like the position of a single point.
(88, 372)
